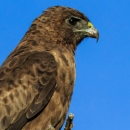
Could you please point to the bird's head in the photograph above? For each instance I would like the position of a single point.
(66, 25)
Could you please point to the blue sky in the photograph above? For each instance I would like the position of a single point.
(101, 99)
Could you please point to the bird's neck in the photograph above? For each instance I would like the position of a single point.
(44, 40)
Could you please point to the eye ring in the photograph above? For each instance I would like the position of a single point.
(73, 21)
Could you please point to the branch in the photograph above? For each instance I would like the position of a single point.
(69, 123)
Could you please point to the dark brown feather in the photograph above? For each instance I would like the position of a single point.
(28, 95)
(37, 78)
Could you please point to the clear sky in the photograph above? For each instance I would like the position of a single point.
(101, 98)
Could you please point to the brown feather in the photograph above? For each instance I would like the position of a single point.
(37, 78)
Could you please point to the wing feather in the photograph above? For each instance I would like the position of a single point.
(27, 83)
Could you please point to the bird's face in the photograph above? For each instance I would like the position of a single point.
(82, 27)
(74, 25)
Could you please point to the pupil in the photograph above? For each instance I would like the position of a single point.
(73, 21)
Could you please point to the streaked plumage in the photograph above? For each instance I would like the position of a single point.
(37, 78)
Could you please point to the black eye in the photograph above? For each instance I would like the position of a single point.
(73, 21)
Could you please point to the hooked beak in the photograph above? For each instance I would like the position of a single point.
(90, 31)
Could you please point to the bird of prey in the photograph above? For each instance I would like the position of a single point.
(37, 78)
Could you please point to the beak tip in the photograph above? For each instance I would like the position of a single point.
(97, 36)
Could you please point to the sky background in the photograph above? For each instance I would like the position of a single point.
(101, 98)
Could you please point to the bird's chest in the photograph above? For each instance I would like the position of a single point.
(65, 73)
(65, 82)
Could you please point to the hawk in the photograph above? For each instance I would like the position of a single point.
(37, 78)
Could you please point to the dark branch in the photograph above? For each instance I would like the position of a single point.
(69, 123)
